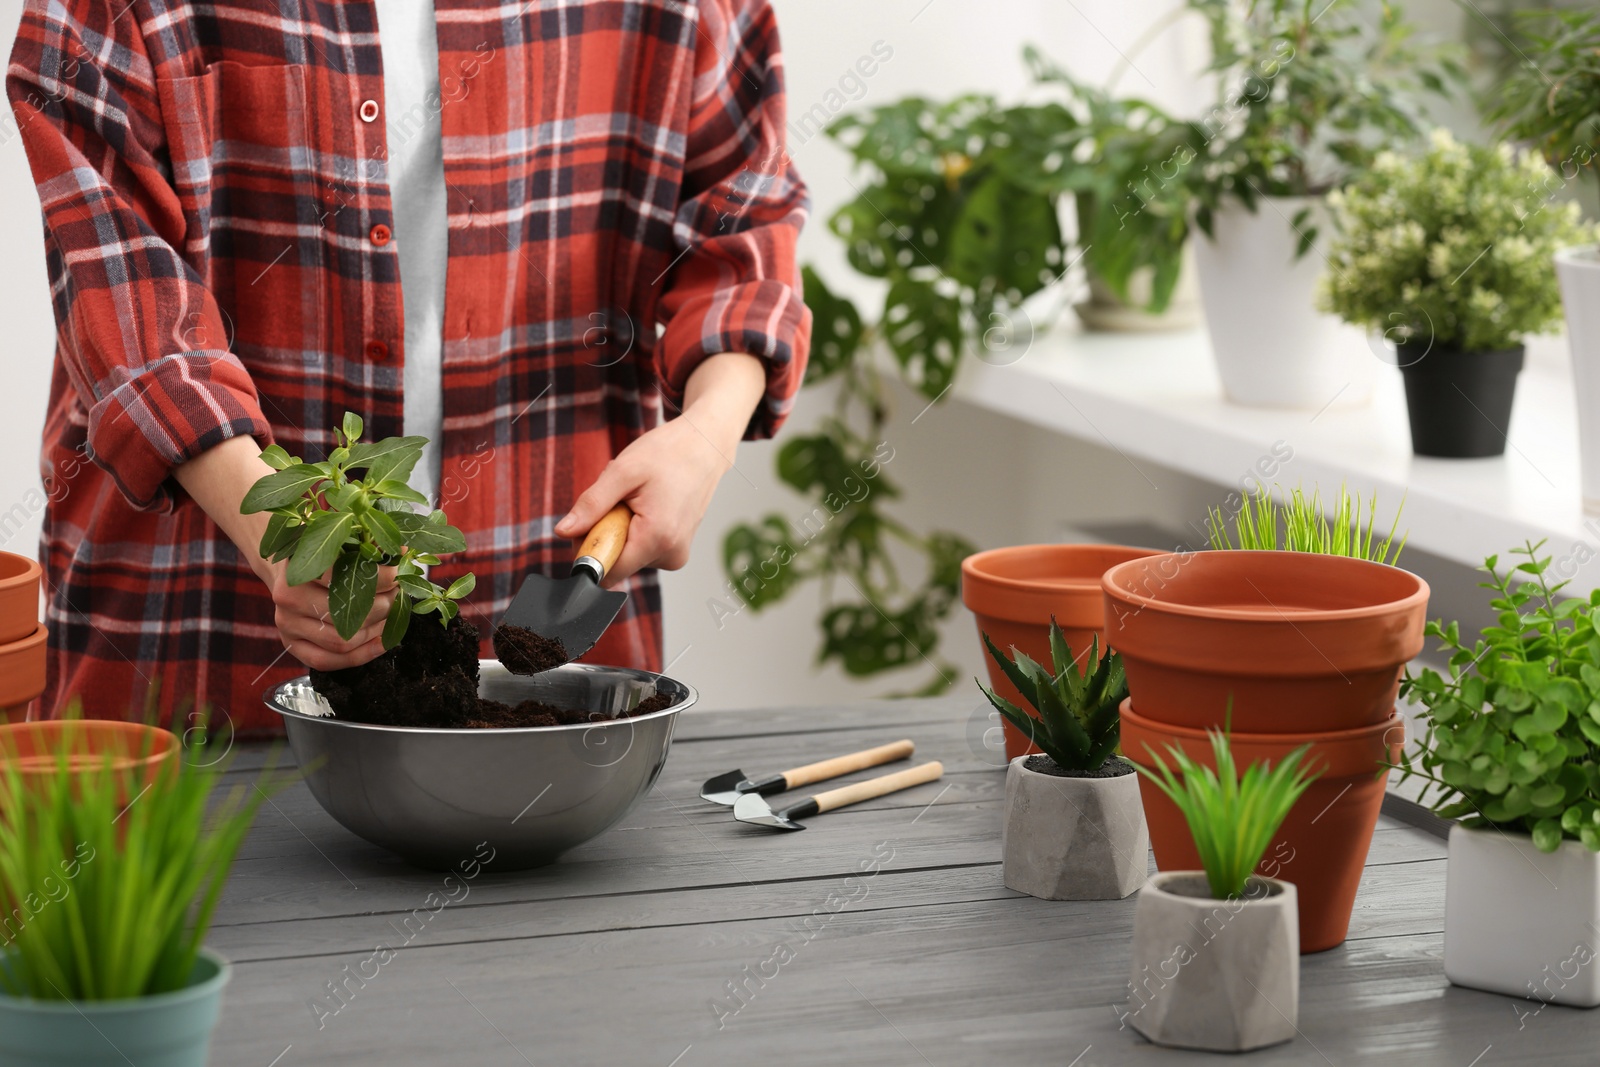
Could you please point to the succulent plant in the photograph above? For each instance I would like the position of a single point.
(1078, 724)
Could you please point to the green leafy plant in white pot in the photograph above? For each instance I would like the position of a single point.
(1447, 254)
(1074, 826)
(1553, 103)
(1508, 748)
(1308, 93)
(109, 877)
(1216, 952)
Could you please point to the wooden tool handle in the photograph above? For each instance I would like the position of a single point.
(605, 539)
(877, 787)
(855, 761)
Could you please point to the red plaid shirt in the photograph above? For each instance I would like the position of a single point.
(216, 222)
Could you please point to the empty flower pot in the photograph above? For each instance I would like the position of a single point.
(1073, 838)
(19, 597)
(1291, 642)
(1321, 846)
(22, 673)
(36, 748)
(1219, 975)
(1522, 922)
(1015, 591)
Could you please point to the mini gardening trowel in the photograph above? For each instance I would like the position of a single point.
(753, 807)
(728, 788)
(573, 611)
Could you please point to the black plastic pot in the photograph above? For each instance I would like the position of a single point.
(1460, 402)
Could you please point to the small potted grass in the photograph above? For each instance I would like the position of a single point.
(1216, 953)
(109, 887)
(1074, 829)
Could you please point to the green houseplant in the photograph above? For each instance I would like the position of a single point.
(1301, 523)
(1448, 254)
(1508, 749)
(111, 875)
(1073, 827)
(1552, 101)
(1308, 93)
(1231, 934)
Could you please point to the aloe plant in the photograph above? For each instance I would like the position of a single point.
(1079, 725)
(326, 518)
(1231, 816)
(1300, 524)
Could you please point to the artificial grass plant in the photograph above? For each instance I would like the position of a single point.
(1300, 524)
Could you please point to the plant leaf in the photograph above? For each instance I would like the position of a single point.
(282, 488)
(351, 592)
(319, 546)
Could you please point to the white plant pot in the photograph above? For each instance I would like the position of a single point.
(1220, 975)
(1522, 922)
(1273, 347)
(1579, 272)
(1073, 838)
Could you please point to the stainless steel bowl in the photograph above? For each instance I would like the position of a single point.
(441, 798)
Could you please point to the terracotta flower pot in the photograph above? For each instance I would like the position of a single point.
(35, 748)
(1296, 642)
(22, 666)
(19, 597)
(1323, 842)
(1015, 591)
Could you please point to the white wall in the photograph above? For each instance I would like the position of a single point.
(947, 462)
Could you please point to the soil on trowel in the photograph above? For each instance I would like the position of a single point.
(430, 679)
(521, 651)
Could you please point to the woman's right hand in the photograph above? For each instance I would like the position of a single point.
(218, 479)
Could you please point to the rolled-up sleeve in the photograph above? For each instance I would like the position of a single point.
(140, 337)
(736, 284)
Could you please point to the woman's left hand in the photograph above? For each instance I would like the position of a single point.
(669, 474)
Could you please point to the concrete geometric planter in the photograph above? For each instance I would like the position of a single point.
(1219, 975)
(1073, 838)
(1522, 922)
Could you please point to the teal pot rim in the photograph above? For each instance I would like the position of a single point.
(208, 986)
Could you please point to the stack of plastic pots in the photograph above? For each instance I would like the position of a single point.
(22, 636)
(1283, 649)
(1016, 591)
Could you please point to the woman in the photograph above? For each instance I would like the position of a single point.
(594, 219)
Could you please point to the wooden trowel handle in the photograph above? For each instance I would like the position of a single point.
(605, 539)
(877, 787)
(855, 761)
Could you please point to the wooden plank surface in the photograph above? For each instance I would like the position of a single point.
(882, 934)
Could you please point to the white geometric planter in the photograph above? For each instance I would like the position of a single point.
(1220, 975)
(1272, 346)
(1073, 838)
(1522, 922)
(1579, 272)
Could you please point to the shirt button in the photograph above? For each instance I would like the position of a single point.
(369, 110)
(380, 234)
(377, 350)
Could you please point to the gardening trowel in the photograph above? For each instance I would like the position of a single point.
(753, 807)
(728, 788)
(575, 610)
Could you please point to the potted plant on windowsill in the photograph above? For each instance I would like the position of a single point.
(1073, 827)
(1448, 254)
(108, 900)
(1507, 748)
(1299, 633)
(1553, 102)
(1216, 953)
(1307, 94)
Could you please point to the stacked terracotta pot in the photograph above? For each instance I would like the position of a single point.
(1015, 592)
(1284, 649)
(22, 636)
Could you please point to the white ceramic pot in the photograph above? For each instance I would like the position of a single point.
(1273, 347)
(1220, 975)
(1073, 838)
(1522, 922)
(1579, 272)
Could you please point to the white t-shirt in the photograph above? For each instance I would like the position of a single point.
(409, 41)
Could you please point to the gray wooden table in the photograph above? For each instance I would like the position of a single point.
(882, 935)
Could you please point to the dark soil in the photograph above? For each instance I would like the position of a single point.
(521, 651)
(431, 680)
(1113, 767)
